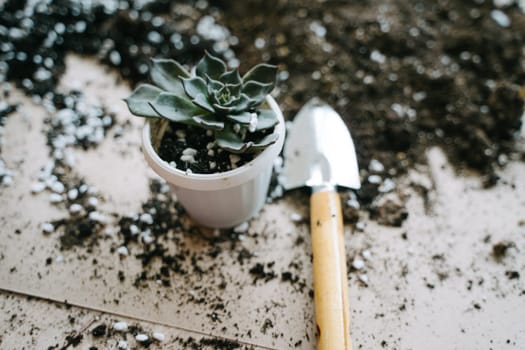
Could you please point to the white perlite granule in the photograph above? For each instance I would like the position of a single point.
(159, 336)
(147, 238)
(123, 250)
(134, 230)
(503, 3)
(296, 217)
(120, 326)
(187, 159)
(234, 159)
(358, 264)
(181, 134)
(57, 187)
(388, 185)
(146, 218)
(353, 203)
(38, 187)
(48, 227)
(123, 345)
(374, 179)
(253, 122)
(96, 216)
(500, 18)
(75, 208)
(93, 201)
(141, 338)
(189, 152)
(242, 228)
(72, 194)
(376, 166)
(55, 198)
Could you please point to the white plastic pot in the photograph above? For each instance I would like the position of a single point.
(221, 200)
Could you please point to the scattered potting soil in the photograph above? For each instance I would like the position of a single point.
(261, 272)
(36, 36)
(208, 343)
(499, 250)
(73, 124)
(404, 76)
(5, 110)
(389, 210)
(99, 331)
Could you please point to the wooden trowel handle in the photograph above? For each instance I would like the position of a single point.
(329, 265)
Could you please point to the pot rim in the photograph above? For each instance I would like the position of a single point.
(222, 180)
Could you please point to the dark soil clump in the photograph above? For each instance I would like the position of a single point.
(99, 331)
(389, 212)
(499, 250)
(5, 110)
(261, 272)
(77, 232)
(208, 343)
(72, 340)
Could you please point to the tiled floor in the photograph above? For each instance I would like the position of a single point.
(434, 283)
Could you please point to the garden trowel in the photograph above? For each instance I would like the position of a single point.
(319, 153)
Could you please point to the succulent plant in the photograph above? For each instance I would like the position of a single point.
(213, 98)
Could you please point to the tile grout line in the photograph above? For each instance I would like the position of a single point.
(121, 314)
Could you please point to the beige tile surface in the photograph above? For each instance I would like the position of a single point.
(432, 283)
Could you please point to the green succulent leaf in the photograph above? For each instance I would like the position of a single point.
(222, 109)
(242, 104)
(165, 74)
(262, 73)
(230, 141)
(138, 100)
(176, 108)
(256, 91)
(262, 144)
(241, 118)
(266, 119)
(210, 66)
(202, 101)
(235, 89)
(213, 85)
(225, 98)
(231, 77)
(210, 98)
(195, 86)
(208, 122)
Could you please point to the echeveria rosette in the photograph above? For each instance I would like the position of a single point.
(213, 98)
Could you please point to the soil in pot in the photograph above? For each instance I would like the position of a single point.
(189, 148)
